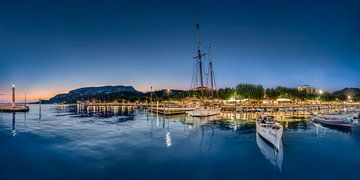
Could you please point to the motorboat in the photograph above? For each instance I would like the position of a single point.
(356, 114)
(270, 130)
(188, 109)
(334, 119)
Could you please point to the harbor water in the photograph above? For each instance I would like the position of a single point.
(65, 142)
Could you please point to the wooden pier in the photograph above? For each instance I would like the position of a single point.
(16, 108)
(292, 108)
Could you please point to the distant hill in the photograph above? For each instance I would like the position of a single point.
(354, 93)
(113, 93)
(103, 93)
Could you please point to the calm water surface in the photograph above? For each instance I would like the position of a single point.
(61, 142)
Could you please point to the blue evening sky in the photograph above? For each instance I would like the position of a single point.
(47, 47)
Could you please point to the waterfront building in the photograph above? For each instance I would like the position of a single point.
(307, 89)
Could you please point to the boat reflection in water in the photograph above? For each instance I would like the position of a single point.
(199, 121)
(322, 129)
(271, 154)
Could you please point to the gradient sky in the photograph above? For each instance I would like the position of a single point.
(49, 47)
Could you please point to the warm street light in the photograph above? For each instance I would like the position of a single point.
(321, 92)
(349, 97)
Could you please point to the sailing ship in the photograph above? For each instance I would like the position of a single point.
(270, 130)
(199, 86)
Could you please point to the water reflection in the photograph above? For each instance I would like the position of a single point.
(123, 136)
(168, 135)
(25, 122)
(322, 130)
(125, 113)
(40, 111)
(13, 130)
(271, 154)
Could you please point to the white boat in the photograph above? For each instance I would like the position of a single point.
(356, 114)
(275, 157)
(188, 109)
(270, 130)
(202, 112)
(334, 119)
(336, 116)
(260, 110)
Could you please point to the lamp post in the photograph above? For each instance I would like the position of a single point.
(321, 92)
(13, 96)
(168, 92)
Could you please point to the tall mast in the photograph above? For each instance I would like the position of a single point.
(199, 55)
(211, 72)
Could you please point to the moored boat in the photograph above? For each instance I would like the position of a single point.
(356, 114)
(202, 112)
(341, 120)
(270, 130)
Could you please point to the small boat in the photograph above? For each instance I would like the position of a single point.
(188, 109)
(270, 130)
(202, 112)
(341, 120)
(356, 113)
(238, 110)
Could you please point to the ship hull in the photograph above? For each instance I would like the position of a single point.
(271, 135)
(340, 123)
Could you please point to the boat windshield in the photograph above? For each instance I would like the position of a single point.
(267, 119)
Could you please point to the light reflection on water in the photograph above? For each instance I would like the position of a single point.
(123, 142)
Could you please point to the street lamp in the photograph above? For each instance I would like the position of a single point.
(321, 92)
(13, 96)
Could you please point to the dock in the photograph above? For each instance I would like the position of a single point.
(177, 108)
(16, 108)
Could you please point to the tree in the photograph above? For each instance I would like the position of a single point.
(272, 93)
(250, 91)
(226, 93)
(326, 96)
